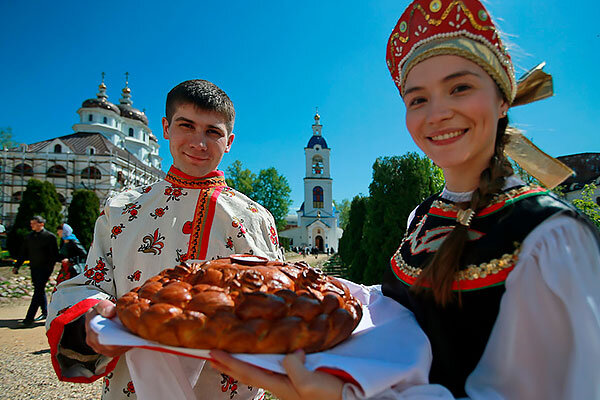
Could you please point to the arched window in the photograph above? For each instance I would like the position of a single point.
(90, 117)
(16, 197)
(131, 132)
(57, 148)
(23, 169)
(104, 120)
(317, 197)
(91, 173)
(91, 151)
(62, 199)
(317, 165)
(56, 171)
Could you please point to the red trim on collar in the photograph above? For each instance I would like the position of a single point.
(213, 179)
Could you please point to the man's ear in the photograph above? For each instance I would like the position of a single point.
(165, 124)
(229, 142)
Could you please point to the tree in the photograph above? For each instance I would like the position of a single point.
(6, 138)
(399, 185)
(587, 205)
(351, 250)
(83, 213)
(39, 198)
(240, 179)
(269, 189)
(344, 208)
(272, 191)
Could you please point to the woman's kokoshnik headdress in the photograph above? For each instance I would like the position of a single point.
(464, 28)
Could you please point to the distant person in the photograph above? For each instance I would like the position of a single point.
(41, 249)
(72, 254)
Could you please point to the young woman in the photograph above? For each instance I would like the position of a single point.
(504, 278)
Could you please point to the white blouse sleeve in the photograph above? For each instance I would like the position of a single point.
(545, 343)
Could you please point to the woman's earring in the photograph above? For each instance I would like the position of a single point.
(503, 113)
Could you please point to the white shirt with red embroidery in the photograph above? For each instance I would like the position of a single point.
(139, 233)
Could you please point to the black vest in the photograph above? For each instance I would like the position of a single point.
(459, 333)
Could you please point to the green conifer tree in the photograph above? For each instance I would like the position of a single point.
(83, 213)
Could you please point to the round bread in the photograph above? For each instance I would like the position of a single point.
(242, 304)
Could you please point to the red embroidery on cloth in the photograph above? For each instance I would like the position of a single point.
(174, 193)
(135, 276)
(97, 274)
(116, 231)
(203, 218)
(153, 243)
(273, 235)
(159, 212)
(187, 228)
(229, 243)
(132, 210)
(129, 389)
(229, 384)
(252, 208)
(239, 223)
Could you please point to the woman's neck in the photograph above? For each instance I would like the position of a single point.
(460, 180)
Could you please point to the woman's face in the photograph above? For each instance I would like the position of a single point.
(452, 112)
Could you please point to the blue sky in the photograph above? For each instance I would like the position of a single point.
(277, 60)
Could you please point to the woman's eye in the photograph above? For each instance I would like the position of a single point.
(461, 88)
(416, 101)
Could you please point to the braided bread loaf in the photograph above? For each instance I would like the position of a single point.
(227, 304)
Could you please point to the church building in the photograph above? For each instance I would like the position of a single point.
(111, 148)
(316, 222)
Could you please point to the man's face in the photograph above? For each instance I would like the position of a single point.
(197, 139)
(36, 226)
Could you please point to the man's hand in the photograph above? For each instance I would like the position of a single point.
(106, 309)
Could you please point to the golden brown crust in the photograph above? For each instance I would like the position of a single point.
(266, 307)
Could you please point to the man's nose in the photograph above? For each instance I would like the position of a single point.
(198, 141)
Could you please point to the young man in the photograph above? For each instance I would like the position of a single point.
(41, 249)
(190, 215)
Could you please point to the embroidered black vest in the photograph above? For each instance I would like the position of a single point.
(459, 333)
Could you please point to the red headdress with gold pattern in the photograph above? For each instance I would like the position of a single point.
(464, 28)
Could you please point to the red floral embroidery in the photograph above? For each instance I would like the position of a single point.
(159, 212)
(146, 189)
(174, 193)
(101, 213)
(187, 228)
(229, 384)
(97, 274)
(239, 223)
(273, 235)
(129, 389)
(252, 208)
(116, 230)
(153, 243)
(228, 191)
(132, 210)
(229, 243)
(107, 379)
(180, 256)
(135, 276)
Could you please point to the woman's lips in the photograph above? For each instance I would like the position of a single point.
(448, 137)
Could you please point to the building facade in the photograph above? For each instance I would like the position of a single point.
(587, 171)
(316, 222)
(111, 148)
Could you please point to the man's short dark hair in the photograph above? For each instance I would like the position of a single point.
(204, 95)
(39, 219)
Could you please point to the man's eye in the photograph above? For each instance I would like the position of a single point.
(213, 132)
(186, 125)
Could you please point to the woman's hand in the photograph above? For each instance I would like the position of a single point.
(108, 310)
(299, 383)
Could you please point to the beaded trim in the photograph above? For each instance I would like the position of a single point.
(470, 278)
(201, 183)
